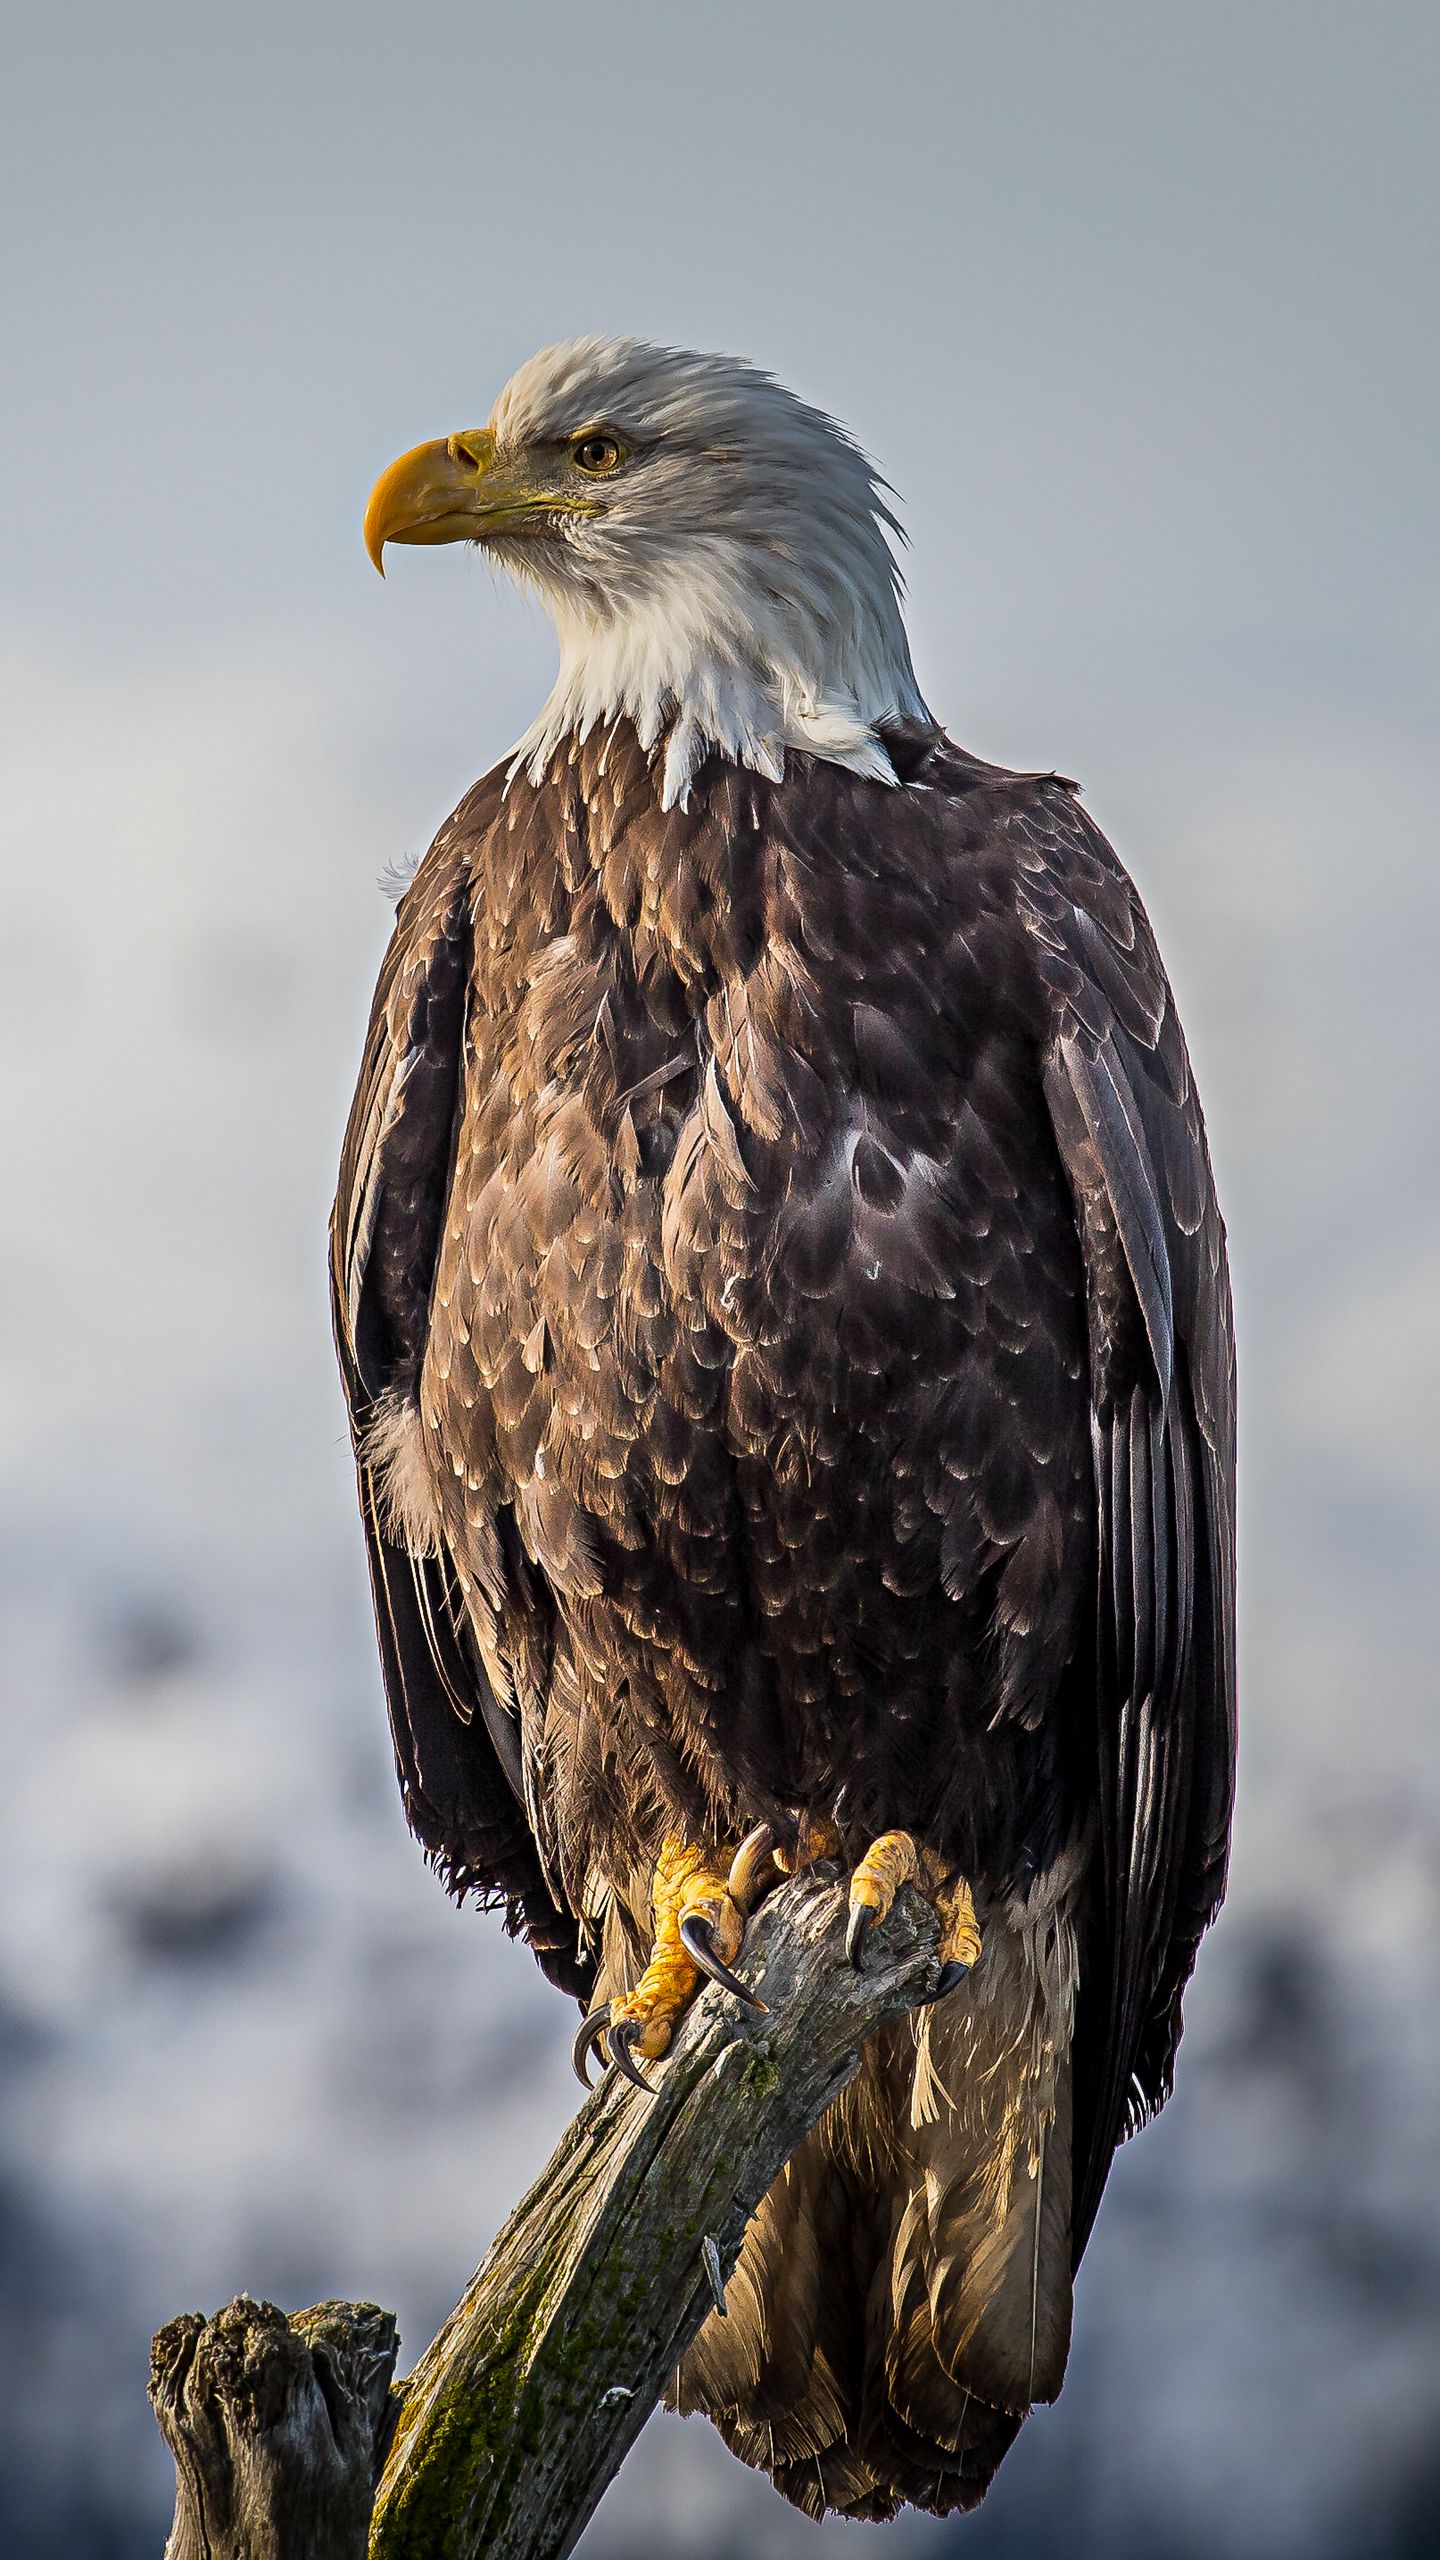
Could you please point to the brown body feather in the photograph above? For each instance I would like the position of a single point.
(784, 1314)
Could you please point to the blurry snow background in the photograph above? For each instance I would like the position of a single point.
(1136, 308)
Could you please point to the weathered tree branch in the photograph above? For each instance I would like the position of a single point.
(517, 2418)
(278, 2428)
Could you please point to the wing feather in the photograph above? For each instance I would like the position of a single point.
(1162, 1381)
(461, 1771)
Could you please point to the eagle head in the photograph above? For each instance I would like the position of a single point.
(716, 555)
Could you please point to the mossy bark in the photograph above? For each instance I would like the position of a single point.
(519, 2416)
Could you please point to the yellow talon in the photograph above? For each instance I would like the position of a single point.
(690, 1886)
(894, 1859)
(960, 1941)
(889, 1862)
(816, 1837)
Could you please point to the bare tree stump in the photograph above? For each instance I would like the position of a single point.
(517, 2418)
(278, 2428)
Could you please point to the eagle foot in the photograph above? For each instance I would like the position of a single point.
(701, 1903)
(897, 1858)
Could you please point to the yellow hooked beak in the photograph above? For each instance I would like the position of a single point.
(457, 491)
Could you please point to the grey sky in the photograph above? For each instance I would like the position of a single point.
(1134, 303)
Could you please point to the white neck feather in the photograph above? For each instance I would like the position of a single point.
(708, 668)
(739, 595)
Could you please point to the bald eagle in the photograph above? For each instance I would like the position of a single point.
(783, 1309)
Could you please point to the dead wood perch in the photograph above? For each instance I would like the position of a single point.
(278, 2428)
(503, 2439)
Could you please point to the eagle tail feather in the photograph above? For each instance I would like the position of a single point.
(903, 2295)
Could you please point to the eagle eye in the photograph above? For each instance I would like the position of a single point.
(599, 453)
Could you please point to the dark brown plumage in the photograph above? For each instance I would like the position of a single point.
(784, 1314)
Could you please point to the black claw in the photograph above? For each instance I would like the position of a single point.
(754, 1867)
(863, 1916)
(620, 2039)
(952, 1973)
(592, 2029)
(698, 1944)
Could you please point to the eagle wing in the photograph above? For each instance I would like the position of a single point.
(457, 1743)
(1162, 1393)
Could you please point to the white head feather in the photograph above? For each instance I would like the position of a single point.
(736, 591)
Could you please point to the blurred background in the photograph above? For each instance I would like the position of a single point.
(1135, 306)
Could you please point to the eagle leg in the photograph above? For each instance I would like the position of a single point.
(895, 1859)
(699, 1925)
